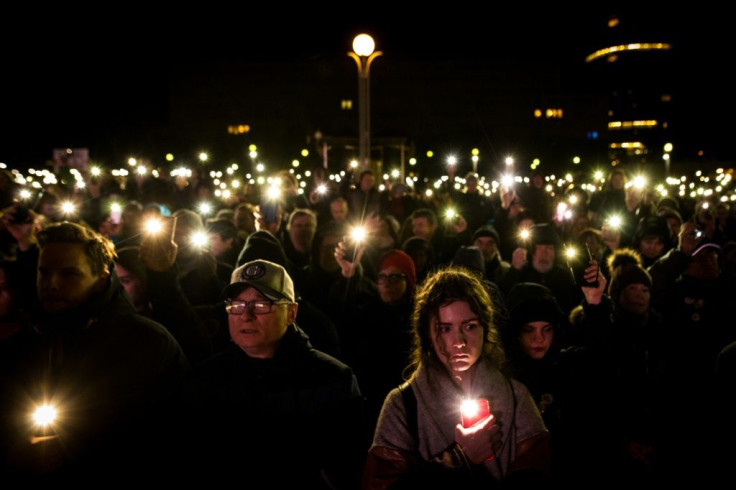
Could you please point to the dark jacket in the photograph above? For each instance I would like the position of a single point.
(172, 309)
(113, 374)
(282, 420)
(628, 354)
(375, 338)
(198, 277)
(694, 310)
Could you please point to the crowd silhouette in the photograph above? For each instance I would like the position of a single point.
(598, 355)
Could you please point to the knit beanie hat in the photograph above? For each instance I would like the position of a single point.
(264, 246)
(625, 275)
(470, 257)
(532, 302)
(544, 234)
(403, 262)
(624, 256)
(486, 230)
(653, 226)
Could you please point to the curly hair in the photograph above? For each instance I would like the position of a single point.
(444, 286)
(99, 249)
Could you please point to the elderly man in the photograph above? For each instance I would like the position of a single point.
(541, 262)
(270, 407)
(111, 375)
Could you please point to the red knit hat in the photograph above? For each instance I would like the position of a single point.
(403, 262)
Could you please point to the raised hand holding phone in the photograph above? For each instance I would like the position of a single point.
(158, 248)
(583, 267)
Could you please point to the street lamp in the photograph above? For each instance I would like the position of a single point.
(363, 53)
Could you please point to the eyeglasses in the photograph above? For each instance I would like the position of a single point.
(390, 278)
(260, 307)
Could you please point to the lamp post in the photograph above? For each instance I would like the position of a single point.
(364, 53)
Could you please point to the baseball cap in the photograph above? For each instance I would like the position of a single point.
(268, 278)
(532, 302)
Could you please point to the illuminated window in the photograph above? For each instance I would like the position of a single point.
(643, 124)
(346, 105)
(553, 113)
(239, 129)
(612, 51)
(628, 145)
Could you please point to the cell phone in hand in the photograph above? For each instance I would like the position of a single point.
(578, 263)
(474, 411)
(268, 210)
(353, 241)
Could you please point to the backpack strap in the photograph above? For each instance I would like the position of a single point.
(410, 404)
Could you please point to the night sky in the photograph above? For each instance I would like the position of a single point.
(71, 82)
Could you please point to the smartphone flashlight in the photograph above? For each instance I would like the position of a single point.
(357, 236)
(474, 411)
(577, 264)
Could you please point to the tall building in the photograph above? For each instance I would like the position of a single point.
(633, 66)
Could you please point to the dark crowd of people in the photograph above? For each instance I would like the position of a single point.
(334, 337)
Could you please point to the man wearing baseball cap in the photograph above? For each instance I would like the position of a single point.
(261, 307)
(270, 406)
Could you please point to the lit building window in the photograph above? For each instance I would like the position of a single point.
(612, 51)
(644, 124)
(628, 145)
(238, 129)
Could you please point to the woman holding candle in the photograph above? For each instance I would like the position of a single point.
(457, 356)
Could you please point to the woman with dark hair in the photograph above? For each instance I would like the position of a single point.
(533, 339)
(557, 377)
(457, 357)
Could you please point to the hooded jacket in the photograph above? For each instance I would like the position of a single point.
(112, 372)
